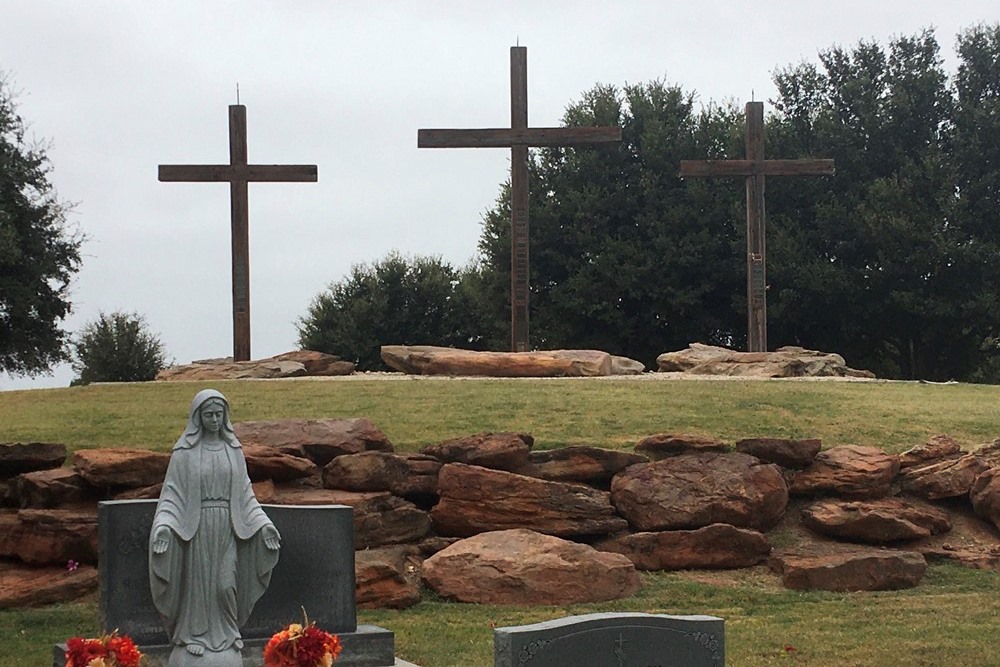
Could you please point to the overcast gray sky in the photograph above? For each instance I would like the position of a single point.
(121, 86)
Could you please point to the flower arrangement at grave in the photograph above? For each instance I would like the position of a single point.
(112, 650)
(301, 645)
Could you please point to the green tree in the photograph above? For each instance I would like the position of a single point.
(117, 347)
(875, 263)
(39, 252)
(624, 256)
(394, 301)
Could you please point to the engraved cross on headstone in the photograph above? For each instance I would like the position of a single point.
(518, 137)
(238, 174)
(755, 168)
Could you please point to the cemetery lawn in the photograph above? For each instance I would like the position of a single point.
(949, 619)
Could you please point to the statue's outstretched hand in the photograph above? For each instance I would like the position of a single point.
(272, 540)
(161, 540)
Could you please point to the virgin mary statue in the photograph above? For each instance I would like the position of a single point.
(211, 547)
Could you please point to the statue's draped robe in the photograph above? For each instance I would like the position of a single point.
(217, 566)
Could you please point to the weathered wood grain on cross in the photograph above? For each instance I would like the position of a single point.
(518, 137)
(238, 174)
(755, 168)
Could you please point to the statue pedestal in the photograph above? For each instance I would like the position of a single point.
(369, 646)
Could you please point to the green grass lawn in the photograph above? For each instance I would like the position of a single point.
(950, 619)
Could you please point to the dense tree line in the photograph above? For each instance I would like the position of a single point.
(894, 262)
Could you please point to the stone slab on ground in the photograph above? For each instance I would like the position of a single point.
(699, 359)
(432, 360)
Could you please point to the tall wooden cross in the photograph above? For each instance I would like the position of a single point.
(755, 168)
(238, 174)
(518, 137)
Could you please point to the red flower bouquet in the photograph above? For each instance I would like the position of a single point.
(301, 645)
(112, 650)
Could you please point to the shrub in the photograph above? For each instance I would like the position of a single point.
(117, 348)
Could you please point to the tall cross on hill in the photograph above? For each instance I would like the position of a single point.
(755, 168)
(238, 174)
(518, 137)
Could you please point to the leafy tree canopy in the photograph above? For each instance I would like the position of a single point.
(117, 347)
(39, 251)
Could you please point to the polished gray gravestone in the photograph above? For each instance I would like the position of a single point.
(613, 640)
(315, 571)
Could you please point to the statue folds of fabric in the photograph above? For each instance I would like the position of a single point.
(211, 547)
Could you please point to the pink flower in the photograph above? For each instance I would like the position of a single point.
(71, 565)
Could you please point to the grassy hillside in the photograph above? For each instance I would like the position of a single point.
(948, 620)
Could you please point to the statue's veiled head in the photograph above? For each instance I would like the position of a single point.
(209, 406)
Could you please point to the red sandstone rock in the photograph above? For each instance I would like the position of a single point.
(701, 359)
(662, 445)
(226, 369)
(143, 493)
(786, 453)
(27, 586)
(522, 567)
(937, 448)
(268, 463)
(117, 468)
(387, 578)
(717, 546)
(56, 536)
(49, 488)
(500, 451)
(318, 363)
(401, 474)
(320, 439)
(476, 500)
(21, 457)
(875, 521)
(379, 518)
(580, 463)
(430, 360)
(948, 478)
(985, 496)
(695, 490)
(851, 570)
(850, 471)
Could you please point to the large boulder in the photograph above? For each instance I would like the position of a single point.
(501, 451)
(401, 474)
(318, 363)
(379, 518)
(851, 471)
(114, 468)
(49, 488)
(27, 586)
(794, 454)
(785, 362)
(945, 478)
(850, 570)
(265, 462)
(717, 546)
(661, 445)
(875, 521)
(580, 463)
(319, 439)
(695, 490)
(431, 360)
(21, 457)
(522, 567)
(936, 448)
(985, 496)
(45, 537)
(476, 500)
(227, 369)
(387, 578)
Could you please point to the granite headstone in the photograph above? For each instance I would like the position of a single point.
(613, 640)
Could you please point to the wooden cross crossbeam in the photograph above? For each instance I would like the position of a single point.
(518, 137)
(755, 168)
(238, 174)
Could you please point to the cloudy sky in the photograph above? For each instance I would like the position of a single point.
(119, 87)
